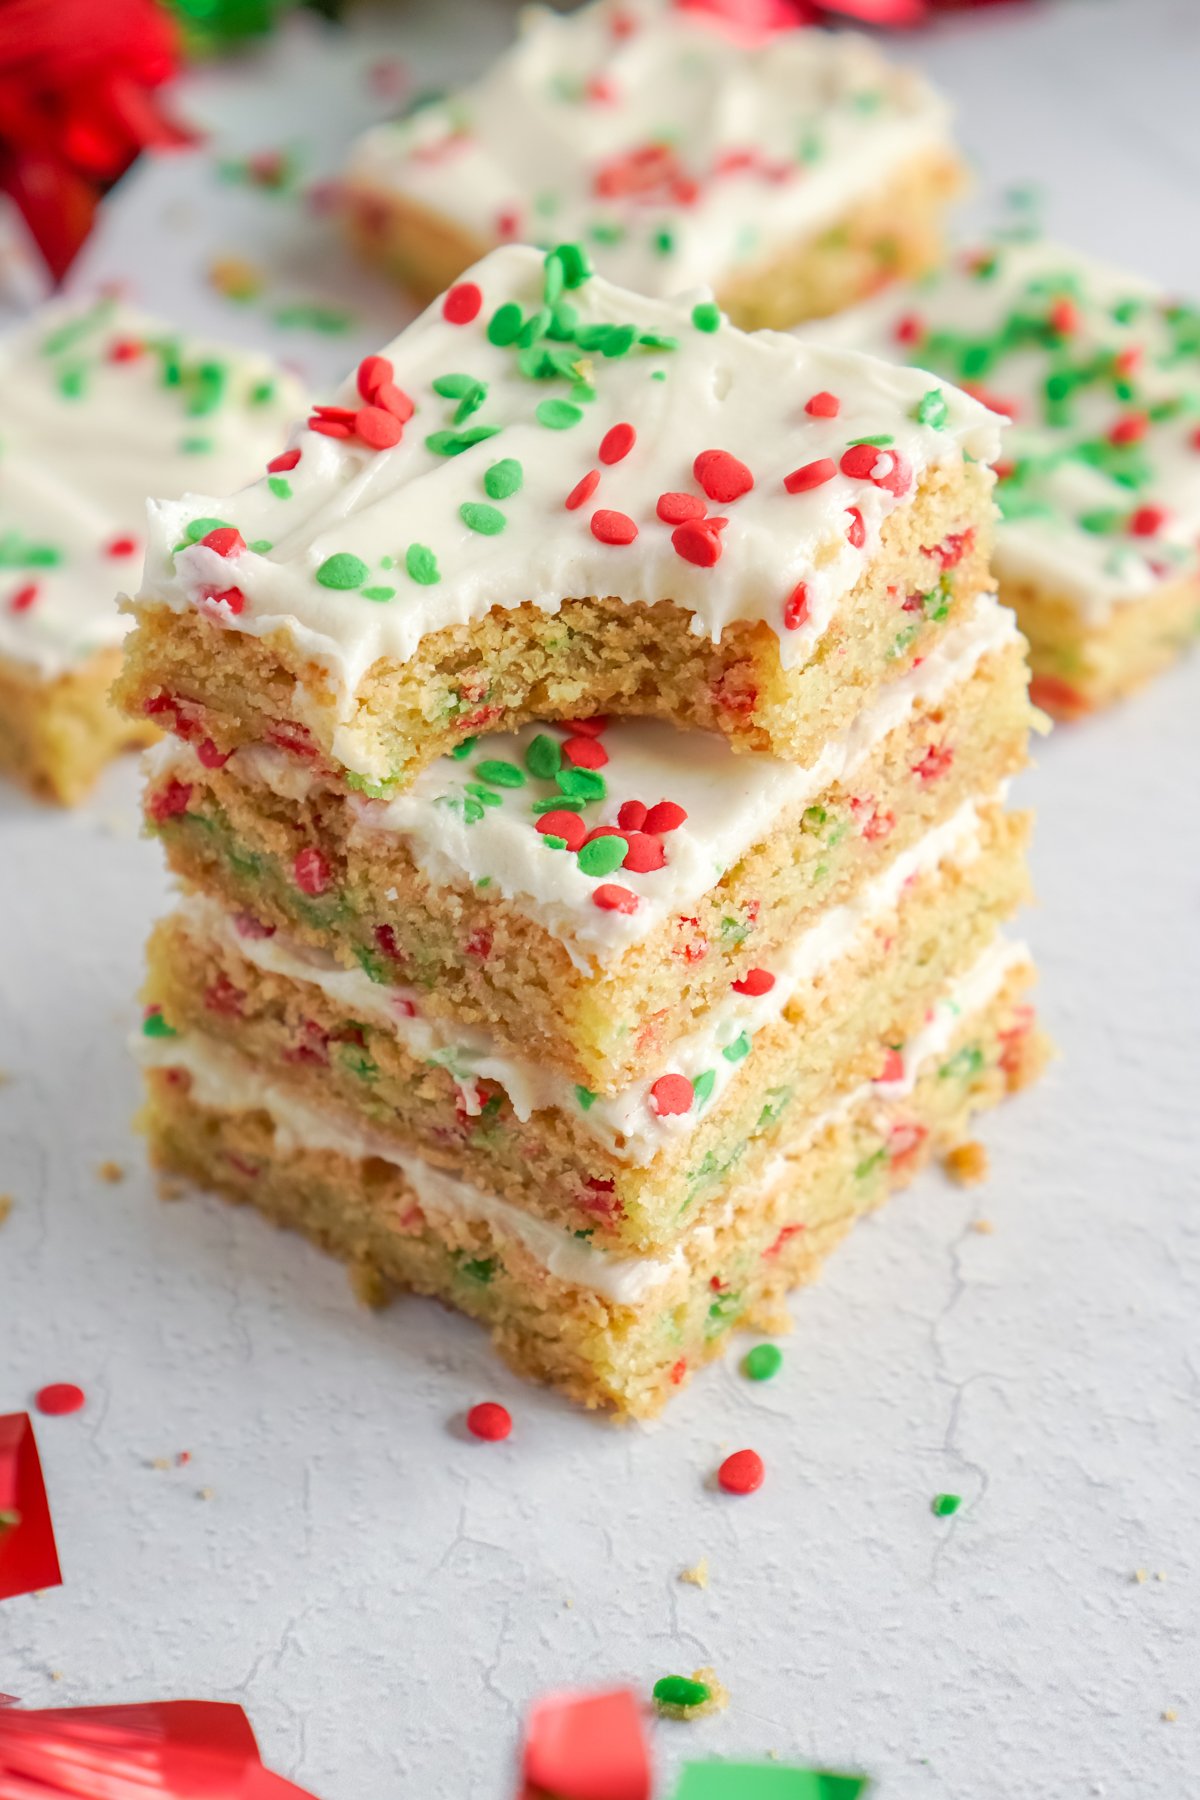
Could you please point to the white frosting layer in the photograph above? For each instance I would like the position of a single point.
(100, 407)
(1130, 363)
(227, 1082)
(627, 1123)
(732, 802)
(411, 561)
(674, 150)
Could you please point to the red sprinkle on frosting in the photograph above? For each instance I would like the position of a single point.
(795, 607)
(59, 1397)
(632, 815)
(698, 541)
(755, 982)
(566, 825)
(611, 898)
(279, 465)
(583, 490)
(378, 429)
(810, 475)
(617, 443)
(645, 854)
(667, 815)
(671, 1094)
(585, 752)
(226, 540)
(722, 476)
(823, 406)
(675, 509)
(613, 527)
(462, 303)
(856, 531)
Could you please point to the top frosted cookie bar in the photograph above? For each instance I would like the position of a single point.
(551, 498)
(682, 149)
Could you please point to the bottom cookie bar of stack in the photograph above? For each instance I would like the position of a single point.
(611, 1331)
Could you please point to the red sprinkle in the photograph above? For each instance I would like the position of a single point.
(58, 1398)
(311, 871)
(613, 527)
(632, 815)
(859, 460)
(279, 465)
(373, 371)
(1129, 430)
(1064, 316)
(741, 1473)
(566, 825)
(394, 400)
(698, 541)
(583, 490)
(856, 531)
(379, 430)
(585, 752)
(823, 406)
(795, 607)
(210, 756)
(667, 815)
(671, 1094)
(226, 540)
(617, 443)
(722, 476)
(169, 801)
(936, 761)
(675, 509)
(645, 854)
(1147, 521)
(462, 303)
(24, 597)
(121, 546)
(755, 981)
(893, 1066)
(585, 727)
(232, 597)
(810, 475)
(611, 898)
(908, 329)
(330, 428)
(489, 1421)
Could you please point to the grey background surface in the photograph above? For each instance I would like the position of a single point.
(385, 1596)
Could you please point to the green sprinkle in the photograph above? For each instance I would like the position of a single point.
(342, 571)
(603, 856)
(155, 1026)
(72, 383)
(619, 340)
(543, 758)
(379, 593)
(500, 773)
(195, 446)
(576, 265)
(477, 516)
(1103, 519)
(679, 1690)
(557, 415)
(706, 316)
(262, 393)
(664, 240)
(503, 479)
(480, 1268)
(765, 1781)
(556, 803)
(739, 1048)
(881, 442)
(703, 1086)
(484, 795)
(932, 409)
(582, 784)
(586, 1098)
(453, 387)
(453, 443)
(421, 564)
(658, 340)
(554, 279)
(764, 1361)
(464, 749)
(281, 488)
(942, 1506)
(505, 324)
(551, 842)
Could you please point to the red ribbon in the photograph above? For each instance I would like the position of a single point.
(77, 105)
(173, 1749)
(28, 1557)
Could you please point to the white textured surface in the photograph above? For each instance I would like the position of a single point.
(385, 1596)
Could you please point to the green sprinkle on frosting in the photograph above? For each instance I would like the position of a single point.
(478, 516)
(763, 1362)
(500, 773)
(422, 565)
(503, 479)
(557, 415)
(706, 315)
(342, 571)
(603, 856)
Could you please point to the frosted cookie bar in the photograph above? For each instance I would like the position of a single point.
(553, 499)
(792, 171)
(586, 895)
(610, 1330)
(1099, 483)
(101, 407)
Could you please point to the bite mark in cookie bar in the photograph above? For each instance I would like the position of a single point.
(681, 150)
(589, 916)
(1099, 481)
(102, 406)
(616, 1332)
(584, 501)
(706, 1120)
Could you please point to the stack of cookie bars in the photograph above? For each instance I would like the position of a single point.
(590, 808)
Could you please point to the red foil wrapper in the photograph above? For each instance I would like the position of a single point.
(78, 103)
(175, 1749)
(28, 1556)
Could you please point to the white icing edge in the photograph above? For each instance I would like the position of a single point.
(227, 1082)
